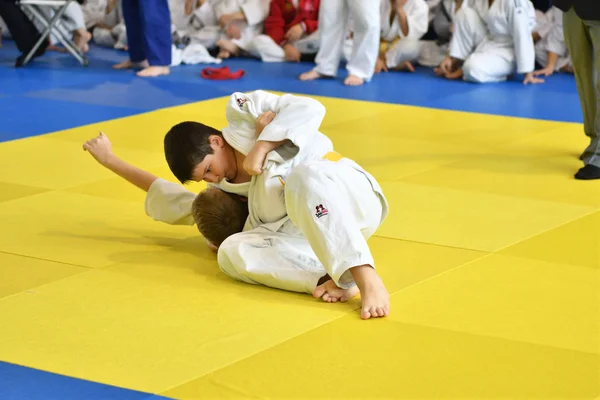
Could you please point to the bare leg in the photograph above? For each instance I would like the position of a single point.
(82, 38)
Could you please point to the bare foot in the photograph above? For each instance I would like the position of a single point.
(380, 65)
(56, 48)
(130, 64)
(455, 74)
(310, 76)
(406, 66)
(331, 293)
(82, 37)
(228, 46)
(153, 71)
(375, 298)
(352, 80)
(223, 54)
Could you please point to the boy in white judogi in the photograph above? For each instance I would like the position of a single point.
(403, 23)
(241, 21)
(430, 53)
(334, 19)
(290, 31)
(493, 41)
(275, 255)
(105, 20)
(288, 243)
(71, 25)
(287, 168)
(550, 48)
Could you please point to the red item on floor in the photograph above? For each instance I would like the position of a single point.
(221, 74)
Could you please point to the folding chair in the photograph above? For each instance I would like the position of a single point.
(52, 26)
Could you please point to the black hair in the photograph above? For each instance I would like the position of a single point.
(186, 146)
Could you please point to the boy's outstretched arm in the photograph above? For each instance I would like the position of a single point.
(101, 149)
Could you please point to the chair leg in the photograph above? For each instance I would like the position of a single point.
(51, 28)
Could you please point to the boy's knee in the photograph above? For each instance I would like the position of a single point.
(262, 40)
(474, 70)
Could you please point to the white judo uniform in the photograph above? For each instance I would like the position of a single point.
(115, 34)
(442, 14)
(205, 28)
(409, 46)
(70, 21)
(334, 25)
(310, 213)
(549, 26)
(495, 41)
(264, 47)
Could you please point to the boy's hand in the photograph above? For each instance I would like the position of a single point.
(233, 31)
(263, 120)
(547, 71)
(400, 6)
(189, 7)
(291, 53)
(294, 33)
(531, 78)
(100, 148)
(254, 161)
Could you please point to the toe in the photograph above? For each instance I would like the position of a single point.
(365, 314)
(319, 291)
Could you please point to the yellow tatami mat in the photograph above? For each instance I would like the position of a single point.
(491, 253)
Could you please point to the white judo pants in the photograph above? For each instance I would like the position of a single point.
(426, 52)
(115, 37)
(485, 60)
(207, 36)
(334, 16)
(265, 48)
(334, 210)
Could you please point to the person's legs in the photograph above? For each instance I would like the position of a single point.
(365, 50)
(156, 26)
(276, 259)
(580, 37)
(337, 210)
(333, 22)
(22, 30)
(135, 35)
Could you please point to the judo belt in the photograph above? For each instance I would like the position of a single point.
(333, 156)
(221, 74)
(385, 46)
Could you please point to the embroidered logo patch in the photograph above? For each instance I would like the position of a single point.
(241, 102)
(321, 211)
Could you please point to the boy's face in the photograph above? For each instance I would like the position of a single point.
(217, 166)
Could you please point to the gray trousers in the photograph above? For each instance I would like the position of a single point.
(583, 40)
